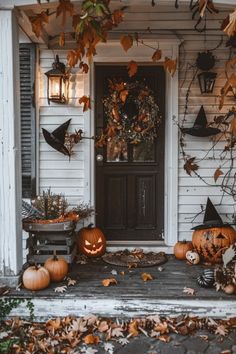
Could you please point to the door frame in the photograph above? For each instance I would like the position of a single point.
(112, 53)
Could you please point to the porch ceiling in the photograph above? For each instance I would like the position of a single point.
(163, 19)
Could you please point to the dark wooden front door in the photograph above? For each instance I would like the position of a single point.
(130, 178)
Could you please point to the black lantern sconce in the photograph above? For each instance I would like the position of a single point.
(58, 83)
(205, 62)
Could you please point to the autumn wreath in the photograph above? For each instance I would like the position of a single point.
(131, 113)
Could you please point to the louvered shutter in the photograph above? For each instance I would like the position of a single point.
(28, 121)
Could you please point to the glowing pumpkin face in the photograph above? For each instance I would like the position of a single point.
(91, 241)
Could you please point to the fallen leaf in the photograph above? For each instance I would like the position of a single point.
(71, 282)
(170, 65)
(38, 332)
(122, 273)
(60, 289)
(164, 338)
(146, 276)
(132, 68)
(161, 327)
(103, 326)
(229, 24)
(157, 55)
(117, 332)
(109, 281)
(133, 329)
(123, 341)
(109, 348)
(126, 42)
(62, 39)
(90, 319)
(88, 350)
(154, 318)
(221, 330)
(91, 339)
(54, 324)
(217, 174)
(188, 291)
(190, 166)
(204, 337)
(86, 102)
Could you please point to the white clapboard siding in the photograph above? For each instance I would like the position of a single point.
(69, 177)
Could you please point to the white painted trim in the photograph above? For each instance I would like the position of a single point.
(45, 308)
(10, 147)
(111, 52)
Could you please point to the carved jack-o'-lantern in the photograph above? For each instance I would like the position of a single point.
(91, 241)
(212, 242)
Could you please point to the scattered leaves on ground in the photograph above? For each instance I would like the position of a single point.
(60, 289)
(91, 339)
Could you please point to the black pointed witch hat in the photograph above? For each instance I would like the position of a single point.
(211, 218)
(200, 127)
(56, 139)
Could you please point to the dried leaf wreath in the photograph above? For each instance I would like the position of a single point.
(132, 115)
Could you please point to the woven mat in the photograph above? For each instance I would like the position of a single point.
(134, 259)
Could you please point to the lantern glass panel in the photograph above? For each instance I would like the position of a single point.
(207, 81)
(54, 88)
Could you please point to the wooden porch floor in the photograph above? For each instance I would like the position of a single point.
(131, 297)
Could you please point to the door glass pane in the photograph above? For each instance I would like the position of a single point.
(117, 151)
(144, 152)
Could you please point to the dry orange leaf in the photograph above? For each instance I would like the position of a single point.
(117, 17)
(109, 281)
(126, 42)
(133, 328)
(91, 339)
(170, 65)
(103, 326)
(84, 67)
(164, 338)
(157, 55)
(217, 174)
(123, 95)
(86, 102)
(62, 39)
(161, 327)
(230, 63)
(72, 58)
(132, 68)
(146, 276)
(37, 22)
(230, 85)
(233, 126)
(229, 24)
(64, 7)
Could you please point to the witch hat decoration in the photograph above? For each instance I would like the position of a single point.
(56, 139)
(211, 218)
(200, 127)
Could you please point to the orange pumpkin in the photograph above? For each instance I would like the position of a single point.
(181, 249)
(36, 278)
(91, 241)
(57, 268)
(212, 242)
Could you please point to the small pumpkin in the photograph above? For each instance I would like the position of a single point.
(192, 257)
(212, 242)
(57, 267)
(91, 241)
(36, 278)
(181, 248)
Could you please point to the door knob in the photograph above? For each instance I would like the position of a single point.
(99, 158)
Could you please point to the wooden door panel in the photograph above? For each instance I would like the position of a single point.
(145, 203)
(115, 202)
(130, 187)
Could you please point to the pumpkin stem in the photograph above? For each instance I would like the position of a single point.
(90, 226)
(55, 258)
(36, 266)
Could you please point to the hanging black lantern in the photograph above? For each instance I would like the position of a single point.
(58, 82)
(206, 61)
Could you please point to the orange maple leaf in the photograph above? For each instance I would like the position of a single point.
(84, 67)
(64, 7)
(117, 17)
(133, 328)
(126, 42)
(146, 276)
(86, 101)
(132, 68)
(72, 58)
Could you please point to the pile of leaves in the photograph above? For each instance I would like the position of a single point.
(82, 335)
(131, 112)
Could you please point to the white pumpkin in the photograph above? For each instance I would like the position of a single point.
(192, 257)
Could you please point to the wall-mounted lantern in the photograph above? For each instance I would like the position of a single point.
(58, 83)
(205, 62)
